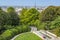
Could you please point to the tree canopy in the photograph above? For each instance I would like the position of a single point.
(30, 16)
(48, 14)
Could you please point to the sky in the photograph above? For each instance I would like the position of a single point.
(29, 2)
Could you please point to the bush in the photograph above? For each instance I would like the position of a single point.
(26, 28)
(8, 34)
(56, 23)
(23, 28)
(56, 31)
(5, 27)
(8, 26)
(42, 26)
(19, 29)
(14, 31)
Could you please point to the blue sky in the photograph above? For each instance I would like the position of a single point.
(29, 2)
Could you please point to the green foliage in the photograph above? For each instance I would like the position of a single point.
(10, 20)
(14, 17)
(42, 26)
(0, 9)
(29, 16)
(10, 9)
(23, 11)
(14, 31)
(23, 28)
(5, 27)
(58, 11)
(3, 17)
(48, 14)
(56, 31)
(8, 27)
(55, 23)
(55, 26)
(8, 34)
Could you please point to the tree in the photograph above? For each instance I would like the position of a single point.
(0, 9)
(48, 14)
(24, 10)
(14, 17)
(56, 23)
(29, 16)
(58, 11)
(3, 19)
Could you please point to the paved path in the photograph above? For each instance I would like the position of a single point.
(45, 35)
(40, 35)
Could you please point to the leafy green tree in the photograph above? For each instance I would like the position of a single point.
(22, 13)
(24, 10)
(56, 23)
(30, 16)
(3, 19)
(48, 14)
(14, 17)
(58, 11)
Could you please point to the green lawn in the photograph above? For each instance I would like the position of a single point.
(28, 36)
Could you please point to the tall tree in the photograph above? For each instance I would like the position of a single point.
(48, 14)
(14, 17)
(58, 11)
(30, 16)
(3, 19)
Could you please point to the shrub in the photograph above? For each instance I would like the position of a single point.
(5, 27)
(14, 31)
(8, 26)
(19, 29)
(42, 26)
(8, 34)
(25, 28)
(56, 23)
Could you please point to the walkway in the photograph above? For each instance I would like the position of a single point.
(45, 35)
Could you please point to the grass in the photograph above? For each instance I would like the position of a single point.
(28, 36)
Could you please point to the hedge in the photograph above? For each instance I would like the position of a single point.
(8, 34)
